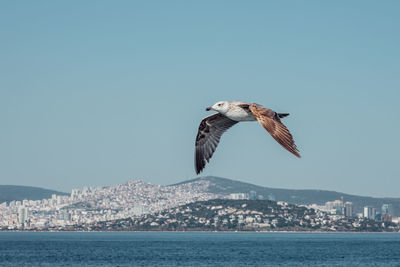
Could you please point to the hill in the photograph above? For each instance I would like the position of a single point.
(15, 192)
(237, 215)
(218, 185)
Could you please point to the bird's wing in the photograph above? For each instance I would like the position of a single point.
(269, 119)
(210, 130)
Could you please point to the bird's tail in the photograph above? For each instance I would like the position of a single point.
(282, 115)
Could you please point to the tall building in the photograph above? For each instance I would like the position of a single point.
(253, 195)
(239, 196)
(369, 212)
(348, 209)
(22, 215)
(75, 193)
(85, 190)
(387, 212)
(333, 204)
(387, 209)
(335, 207)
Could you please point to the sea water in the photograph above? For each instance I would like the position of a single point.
(198, 249)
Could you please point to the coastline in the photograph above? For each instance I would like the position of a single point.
(206, 232)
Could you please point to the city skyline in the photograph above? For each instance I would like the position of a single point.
(98, 93)
(136, 200)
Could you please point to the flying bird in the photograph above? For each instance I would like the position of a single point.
(228, 114)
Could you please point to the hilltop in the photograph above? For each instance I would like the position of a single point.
(16, 192)
(224, 186)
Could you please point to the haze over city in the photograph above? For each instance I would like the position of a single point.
(105, 93)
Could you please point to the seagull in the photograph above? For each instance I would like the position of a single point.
(228, 114)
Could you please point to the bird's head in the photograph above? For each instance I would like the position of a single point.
(221, 107)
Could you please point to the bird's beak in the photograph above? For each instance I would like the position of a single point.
(209, 108)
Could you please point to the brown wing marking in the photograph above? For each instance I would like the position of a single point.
(271, 122)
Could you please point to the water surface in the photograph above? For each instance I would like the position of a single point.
(198, 249)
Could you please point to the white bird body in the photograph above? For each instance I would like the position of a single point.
(235, 110)
(230, 113)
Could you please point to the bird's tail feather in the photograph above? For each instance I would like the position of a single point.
(282, 115)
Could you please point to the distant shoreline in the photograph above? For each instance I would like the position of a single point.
(235, 232)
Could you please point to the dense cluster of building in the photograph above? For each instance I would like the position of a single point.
(147, 206)
(217, 214)
(94, 204)
(241, 215)
(345, 210)
(337, 208)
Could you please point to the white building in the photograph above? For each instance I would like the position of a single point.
(369, 212)
(22, 215)
(239, 196)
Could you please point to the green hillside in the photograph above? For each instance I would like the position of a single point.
(228, 186)
(15, 192)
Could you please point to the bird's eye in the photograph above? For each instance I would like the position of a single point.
(220, 104)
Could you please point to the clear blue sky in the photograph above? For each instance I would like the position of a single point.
(101, 92)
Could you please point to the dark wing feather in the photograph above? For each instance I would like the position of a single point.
(271, 122)
(210, 130)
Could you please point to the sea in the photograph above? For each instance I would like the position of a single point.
(198, 249)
